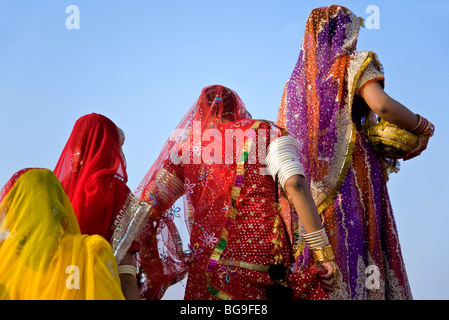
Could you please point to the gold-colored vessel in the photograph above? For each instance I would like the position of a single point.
(391, 141)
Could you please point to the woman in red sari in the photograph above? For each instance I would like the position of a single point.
(240, 247)
(92, 170)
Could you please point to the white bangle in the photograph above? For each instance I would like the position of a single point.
(282, 159)
(127, 269)
(316, 239)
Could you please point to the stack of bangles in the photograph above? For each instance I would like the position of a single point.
(283, 160)
(127, 269)
(424, 127)
(319, 244)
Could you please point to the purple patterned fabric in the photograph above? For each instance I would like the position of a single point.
(346, 176)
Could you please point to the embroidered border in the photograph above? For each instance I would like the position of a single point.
(235, 193)
(357, 66)
(131, 223)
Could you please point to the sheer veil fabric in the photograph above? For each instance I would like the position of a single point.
(43, 254)
(219, 192)
(322, 109)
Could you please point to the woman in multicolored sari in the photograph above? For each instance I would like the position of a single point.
(240, 247)
(43, 254)
(332, 93)
(92, 170)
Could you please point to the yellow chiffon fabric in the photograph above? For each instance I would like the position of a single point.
(43, 255)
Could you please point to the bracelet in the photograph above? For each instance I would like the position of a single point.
(316, 239)
(127, 269)
(318, 242)
(324, 254)
(424, 127)
(282, 159)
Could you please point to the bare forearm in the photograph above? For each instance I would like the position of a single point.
(298, 189)
(388, 108)
(129, 282)
(399, 115)
(301, 197)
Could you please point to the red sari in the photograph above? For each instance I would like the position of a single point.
(92, 170)
(236, 232)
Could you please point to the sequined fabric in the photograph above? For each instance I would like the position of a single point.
(92, 170)
(235, 228)
(362, 230)
(321, 108)
(257, 236)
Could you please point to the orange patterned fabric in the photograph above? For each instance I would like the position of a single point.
(320, 107)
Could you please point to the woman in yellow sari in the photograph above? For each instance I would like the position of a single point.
(42, 252)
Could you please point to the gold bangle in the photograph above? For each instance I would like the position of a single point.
(424, 127)
(420, 120)
(324, 254)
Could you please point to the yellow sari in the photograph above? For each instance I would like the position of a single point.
(43, 255)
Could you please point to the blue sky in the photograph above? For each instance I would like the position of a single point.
(143, 64)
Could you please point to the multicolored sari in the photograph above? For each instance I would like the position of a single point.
(42, 252)
(92, 170)
(321, 108)
(235, 228)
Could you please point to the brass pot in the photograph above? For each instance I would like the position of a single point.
(391, 141)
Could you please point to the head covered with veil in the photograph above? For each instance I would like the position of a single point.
(41, 246)
(217, 108)
(220, 192)
(216, 105)
(316, 106)
(92, 170)
(325, 109)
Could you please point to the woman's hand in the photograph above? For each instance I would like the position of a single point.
(327, 275)
(422, 145)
